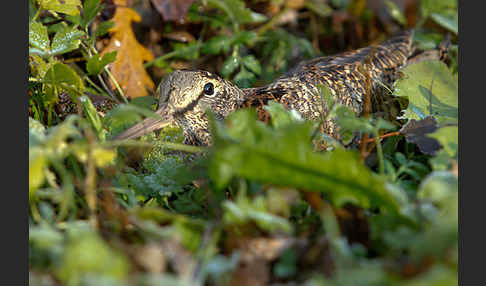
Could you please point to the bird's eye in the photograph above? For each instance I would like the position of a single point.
(209, 89)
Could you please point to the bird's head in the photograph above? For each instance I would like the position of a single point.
(184, 97)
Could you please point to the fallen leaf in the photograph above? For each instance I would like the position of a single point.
(128, 67)
(416, 132)
(172, 10)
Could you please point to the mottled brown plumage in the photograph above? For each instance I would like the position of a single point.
(185, 95)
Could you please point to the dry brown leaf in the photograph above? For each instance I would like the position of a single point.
(295, 4)
(417, 131)
(172, 10)
(151, 258)
(128, 67)
(254, 248)
(256, 273)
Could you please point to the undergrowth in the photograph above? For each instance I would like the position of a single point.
(264, 205)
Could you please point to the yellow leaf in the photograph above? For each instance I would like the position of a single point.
(128, 67)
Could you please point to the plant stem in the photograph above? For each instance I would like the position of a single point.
(272, 23)
(108, 90)
(115, 82)
(395, 133)
(35, 212)
(68, 189)
(379, 151)
(36, 14)
(184, 147)
(90, 180)
(99, 89)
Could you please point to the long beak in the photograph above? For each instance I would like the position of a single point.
(146, 126)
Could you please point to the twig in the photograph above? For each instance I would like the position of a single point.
(74, 60)
(395, 133)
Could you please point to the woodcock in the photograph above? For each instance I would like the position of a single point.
(186, 95)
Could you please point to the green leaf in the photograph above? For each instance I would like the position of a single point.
(101, 156)
(124, 115)
(87, 255)
(236, 11)
(188, 51)
(217, 44)
(38, 66)
(66, 40)
(144, 101)
(92, 115)
(438, 187)
(448, 138)
(449, 22)
(103, 28)
(38, 38)
(230, 65)
(257, 17)
(438, 6)
(37, 164)
(427, 41)
(348, 121)
(37, 133)
(286, 265)
(441, 161)
(91, 8)
(57, 135)
(76, 20)
(69, 7)
(32, 10)
(284, 157)
(280, 116)
(245, 37)
(431, 90)
(95, 64)
(45, 236)
(252, 64)
(395, 12)
(319, 7)
(244, 210)
(163, 181)
(244, 78)
(62, 76)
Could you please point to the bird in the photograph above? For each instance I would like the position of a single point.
(186, 95)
